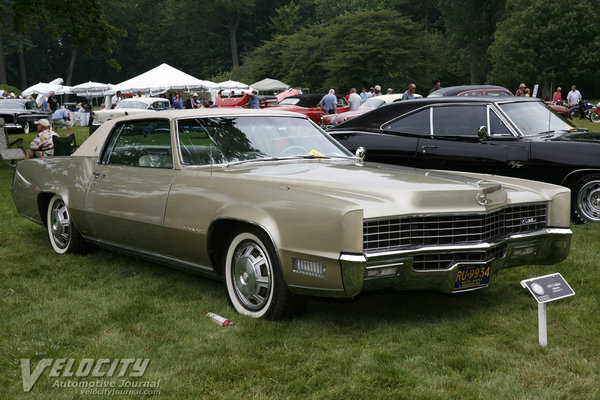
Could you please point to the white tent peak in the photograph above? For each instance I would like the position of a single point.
(160, 79)
(270, 84)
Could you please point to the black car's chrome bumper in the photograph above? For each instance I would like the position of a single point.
(395, 270)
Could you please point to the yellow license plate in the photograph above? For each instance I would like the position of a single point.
(472, 276)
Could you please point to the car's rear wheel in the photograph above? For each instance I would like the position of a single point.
(586, 199)
(26, 127)
(595, 116)
(62, 233)
(253, 279)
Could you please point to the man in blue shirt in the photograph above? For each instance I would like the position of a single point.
(409, 94)
(253, 102)
(62, 116)
(329, 102)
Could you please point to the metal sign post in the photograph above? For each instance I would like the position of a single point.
(545, 289)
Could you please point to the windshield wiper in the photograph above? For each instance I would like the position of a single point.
(297, 157)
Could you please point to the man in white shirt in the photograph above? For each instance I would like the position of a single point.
(116, 98)
(574, 96)
(354, 100)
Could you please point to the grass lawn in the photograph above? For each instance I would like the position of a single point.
(481, 345)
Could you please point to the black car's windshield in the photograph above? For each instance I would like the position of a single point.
(227, 139)
(534, 118)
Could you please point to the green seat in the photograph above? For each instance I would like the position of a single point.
(64, 146)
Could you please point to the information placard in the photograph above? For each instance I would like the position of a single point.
(548, 287)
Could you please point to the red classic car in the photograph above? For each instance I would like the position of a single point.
(308, 104)
(329, 120)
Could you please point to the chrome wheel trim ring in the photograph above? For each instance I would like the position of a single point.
(60, 224)
(588, 200)
(251, 275)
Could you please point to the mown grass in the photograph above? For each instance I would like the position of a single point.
(481, 345)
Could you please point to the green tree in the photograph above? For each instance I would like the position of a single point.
(548, 42)
(349, 53)
(86, 26)
(469, 29)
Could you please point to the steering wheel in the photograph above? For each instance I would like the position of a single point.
(296, 150)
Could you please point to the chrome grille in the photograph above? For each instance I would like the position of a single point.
(417, 231)
(446, 260)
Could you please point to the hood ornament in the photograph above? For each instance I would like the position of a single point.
(481, 199)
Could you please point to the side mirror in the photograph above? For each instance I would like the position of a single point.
(361, 153)
(482, 132)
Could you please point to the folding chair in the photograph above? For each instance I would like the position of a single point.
(64, 146)
(7, 152)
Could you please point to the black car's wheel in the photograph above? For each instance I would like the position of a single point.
(595, 116)
(26, 127)
(253, 280)
(586, 199)
(63, 235)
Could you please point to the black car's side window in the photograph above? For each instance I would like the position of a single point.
(417, 123)
(459, 120)
(497, 127)
(142, 143)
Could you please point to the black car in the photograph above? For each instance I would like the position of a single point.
(512, 136)
(20, 114)
(472, 90)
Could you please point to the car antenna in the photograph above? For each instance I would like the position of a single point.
(210, 156)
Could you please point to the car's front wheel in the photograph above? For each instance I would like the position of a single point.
(26, 127)
(253, 279)
(595, 116)
(64, 237)
(586, 199)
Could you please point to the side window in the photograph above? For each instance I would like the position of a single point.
(459, 120)
(416, 123)
(195, 143)
(142, 143)
(497, 127)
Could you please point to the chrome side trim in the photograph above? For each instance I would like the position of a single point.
(153, 256)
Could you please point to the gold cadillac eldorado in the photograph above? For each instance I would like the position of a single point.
(275, 208)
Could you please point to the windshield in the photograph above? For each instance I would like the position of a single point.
(289, 101)
(372, 103)
(534, 118)
(230, 139)
(132, 104)
(9, 105)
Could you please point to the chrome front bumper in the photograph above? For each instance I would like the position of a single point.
(395, 270)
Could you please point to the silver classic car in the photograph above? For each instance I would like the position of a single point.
(275, 208)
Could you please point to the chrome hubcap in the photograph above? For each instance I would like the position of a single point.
(588, 200)
(251, 275)
(60, 224)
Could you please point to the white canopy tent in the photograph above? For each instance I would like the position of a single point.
(231, 85)
(161, 79)
(92, 89)
(46, 88)
(269, 84)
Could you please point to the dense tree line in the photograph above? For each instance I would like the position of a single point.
(309, 43)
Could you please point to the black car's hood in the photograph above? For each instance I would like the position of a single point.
(578, 136)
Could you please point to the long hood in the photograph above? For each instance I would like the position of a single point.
(381, 189)
(579, 137)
